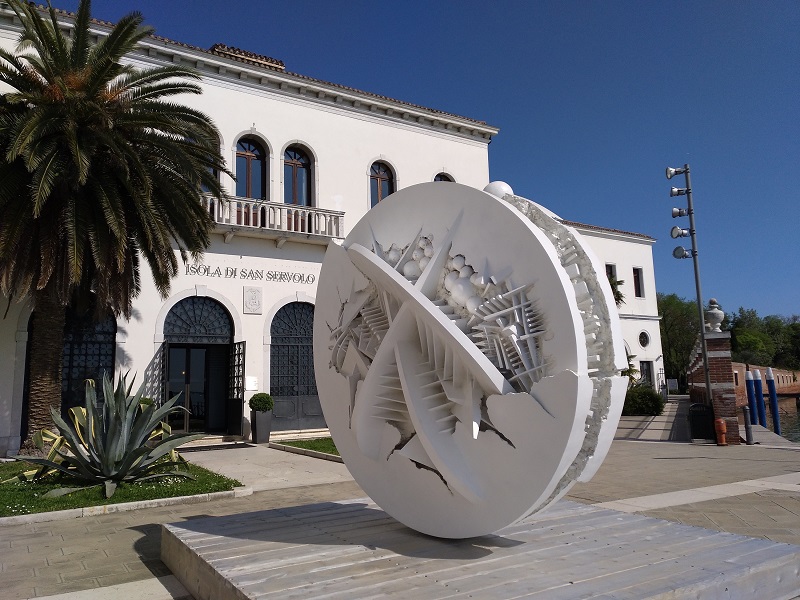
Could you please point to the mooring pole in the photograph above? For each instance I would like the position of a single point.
(773, 401)
(751, 397)
(759, 388)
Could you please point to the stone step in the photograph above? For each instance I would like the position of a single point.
(353, 549)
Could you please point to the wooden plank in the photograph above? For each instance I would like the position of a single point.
(352, 550)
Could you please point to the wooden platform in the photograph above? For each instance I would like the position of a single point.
(354, 550)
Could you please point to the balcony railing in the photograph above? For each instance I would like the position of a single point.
(276, 216)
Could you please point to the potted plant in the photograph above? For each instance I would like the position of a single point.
(261, 417)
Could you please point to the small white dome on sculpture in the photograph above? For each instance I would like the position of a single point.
(411, 270)
(462, 291)
(450, 279)
(498, 188)
(465, 271)
(459, 261)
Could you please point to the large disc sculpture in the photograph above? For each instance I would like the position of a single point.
(468, 354)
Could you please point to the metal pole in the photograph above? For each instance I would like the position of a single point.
(748, 427)
(759, 388)
(773, 402)
(751, 397)
(692, 233)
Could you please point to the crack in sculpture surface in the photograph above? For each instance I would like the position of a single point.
(499, 380)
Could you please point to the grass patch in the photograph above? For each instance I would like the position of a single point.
(325, 445)
(23, 498)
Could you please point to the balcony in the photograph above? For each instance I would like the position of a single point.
(277, 221)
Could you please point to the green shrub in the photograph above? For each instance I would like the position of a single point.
(261, 402)
(642, 399)
(121, 441)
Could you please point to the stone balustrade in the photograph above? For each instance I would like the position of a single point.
(276, 216)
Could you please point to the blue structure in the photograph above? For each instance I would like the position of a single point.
(773, 402)
(751, 397)
(759, 389)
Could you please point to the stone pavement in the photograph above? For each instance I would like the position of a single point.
(117, 555)
(757, 488)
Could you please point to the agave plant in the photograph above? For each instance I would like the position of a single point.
(123, 441)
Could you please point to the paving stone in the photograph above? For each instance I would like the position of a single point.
(80, 576)
(50, 589)
(68, 567)
(27, 577)
(126, 577)
(77, 557)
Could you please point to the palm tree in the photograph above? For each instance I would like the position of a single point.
(619, 297)
(98, 170)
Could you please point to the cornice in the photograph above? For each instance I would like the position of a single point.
(231, 65)
(607, 232)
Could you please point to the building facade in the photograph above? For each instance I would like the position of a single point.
(311, 158)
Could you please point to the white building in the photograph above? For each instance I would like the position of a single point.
(311, 157)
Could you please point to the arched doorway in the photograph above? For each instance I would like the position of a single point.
(204, 366)
(89, 353)
(292, 382)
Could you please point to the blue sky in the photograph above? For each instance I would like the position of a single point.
(593, 101)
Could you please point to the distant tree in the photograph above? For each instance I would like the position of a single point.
(790, 357)
(753, 347)
(750, 341)
(680, 325)
(773, 340)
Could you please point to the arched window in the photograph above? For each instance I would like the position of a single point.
(381, 182)
(443, 177)
(296, 177)
(198, 320)
(251, 169)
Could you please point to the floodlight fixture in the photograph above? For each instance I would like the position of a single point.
(679, 212)
(672, 172)
(677, 191)
(677, 232)
(681, 252)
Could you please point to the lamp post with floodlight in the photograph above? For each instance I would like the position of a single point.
(681, 252)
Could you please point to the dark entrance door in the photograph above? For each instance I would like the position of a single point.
(292, 382)
(200, 375)
(204, 365)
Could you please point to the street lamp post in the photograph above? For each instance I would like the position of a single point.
(681, 252)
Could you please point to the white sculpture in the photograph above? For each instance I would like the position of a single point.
(467, 356)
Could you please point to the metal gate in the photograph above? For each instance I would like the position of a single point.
(292, 382)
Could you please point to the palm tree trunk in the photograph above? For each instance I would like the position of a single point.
(46, 351)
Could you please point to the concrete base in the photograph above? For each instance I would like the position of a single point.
(354, 550)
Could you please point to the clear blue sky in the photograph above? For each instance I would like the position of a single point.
(593, 101)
